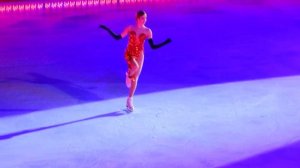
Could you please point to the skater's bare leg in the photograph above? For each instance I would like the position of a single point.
(133, 67)
(134, 82)
(132, 89)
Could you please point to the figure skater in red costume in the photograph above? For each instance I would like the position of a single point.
(134, 53)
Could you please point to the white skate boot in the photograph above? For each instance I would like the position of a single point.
(129, 104)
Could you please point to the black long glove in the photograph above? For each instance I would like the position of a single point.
(115, 36)
(156, 46)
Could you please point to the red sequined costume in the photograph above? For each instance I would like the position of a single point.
(135, 47)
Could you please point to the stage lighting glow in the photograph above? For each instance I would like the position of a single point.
(33, 6)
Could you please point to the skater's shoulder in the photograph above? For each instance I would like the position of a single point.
(147, 29)
(148, 32)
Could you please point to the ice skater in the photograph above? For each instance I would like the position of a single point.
(134, 53)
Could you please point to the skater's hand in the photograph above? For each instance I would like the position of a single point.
(168, 41)
(103, 27)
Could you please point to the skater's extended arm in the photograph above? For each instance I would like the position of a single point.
(156, 46)
(115, 36)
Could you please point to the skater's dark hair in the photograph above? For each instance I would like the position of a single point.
(140, 13)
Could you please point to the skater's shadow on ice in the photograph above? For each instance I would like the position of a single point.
(28, 131)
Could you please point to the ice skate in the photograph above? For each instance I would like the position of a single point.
(129, 104)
